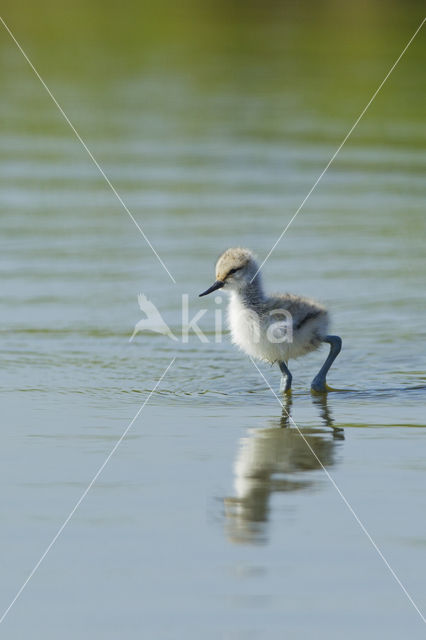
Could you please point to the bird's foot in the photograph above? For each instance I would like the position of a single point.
(319, 385)
(285, 385)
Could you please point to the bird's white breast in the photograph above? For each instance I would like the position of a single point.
(249, 332)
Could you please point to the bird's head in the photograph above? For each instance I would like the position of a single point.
(235, 269)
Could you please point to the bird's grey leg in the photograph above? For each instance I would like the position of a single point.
(286, 379)
(319, 382)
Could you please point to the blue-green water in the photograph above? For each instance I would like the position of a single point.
(213, 518)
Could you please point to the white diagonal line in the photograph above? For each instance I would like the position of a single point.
(333, 482)
(341, 144)
(92, 157)
(84, 494)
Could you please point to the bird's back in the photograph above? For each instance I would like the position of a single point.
(309, 320)
(300, 308)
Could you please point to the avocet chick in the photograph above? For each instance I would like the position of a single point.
(272, 328)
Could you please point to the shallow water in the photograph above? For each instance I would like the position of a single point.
(213, 518)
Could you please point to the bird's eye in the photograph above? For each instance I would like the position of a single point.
(233, 271)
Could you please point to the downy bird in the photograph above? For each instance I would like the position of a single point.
(272, 328)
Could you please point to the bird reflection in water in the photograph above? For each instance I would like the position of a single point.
(276, 460)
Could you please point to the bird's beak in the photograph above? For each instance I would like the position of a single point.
(217, 285)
